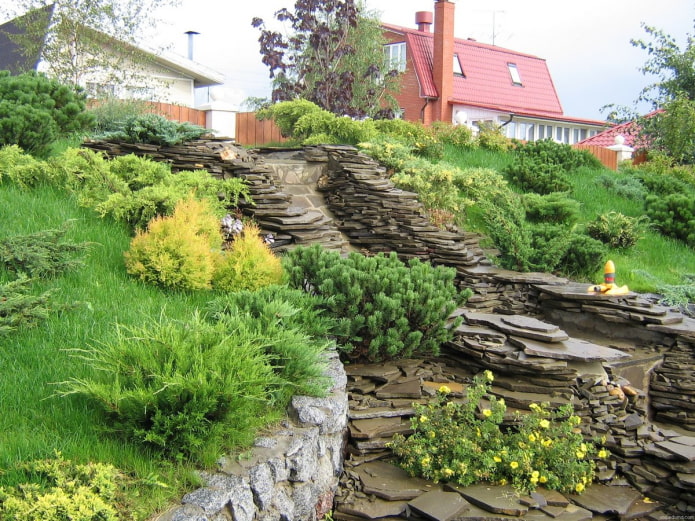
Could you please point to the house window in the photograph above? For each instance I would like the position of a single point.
(514, 73)
(395, 56)
(100, 90)
(141, 93)
(458, 70)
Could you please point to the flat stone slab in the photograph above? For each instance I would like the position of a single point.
(684, 452)
(498, 322)
(373, 508)
(378, 427)
(571, 349)
(568, 513)
(493, 498)
(390, 482)
(439, 505)
(408, 389)
(603, 499)
(531, 323)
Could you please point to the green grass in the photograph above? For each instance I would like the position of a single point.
(654, 261)
(34, 421)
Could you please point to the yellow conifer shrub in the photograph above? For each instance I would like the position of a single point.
(178, 251)
(249, 265)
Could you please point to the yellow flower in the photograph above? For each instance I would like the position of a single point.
(487, 413)
(579, 487)
(531, 437)
(497, 459)
(535, 474)
(544, 424)
(575, 420)
(431, 434)
(522, 445)
(425, 461)
(444, 390)
(488, 375)
(534, 407)
(477, 431)
(446, 472)
(602, 453)
(580, 454)
(533, 481)
(583, 447)
(543, 479)
(423, 419)
(547, 442)
(503, 482)
(514, 464)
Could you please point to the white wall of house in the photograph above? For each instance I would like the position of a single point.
(525, 128)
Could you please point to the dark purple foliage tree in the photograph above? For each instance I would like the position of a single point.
(333, 57)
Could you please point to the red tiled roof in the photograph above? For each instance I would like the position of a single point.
(487, 81)
(629, 130)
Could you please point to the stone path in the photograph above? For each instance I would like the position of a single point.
(533, 361)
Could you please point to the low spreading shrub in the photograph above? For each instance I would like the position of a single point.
(180, 389)
(43, 254)
(616, 230)
(64, 490)
(19, 308)
(465, 442)
(584, 256)
(155, 130)
(177, 251)
(422, 139)
(393, 310)
(555, 207)
(626, 186)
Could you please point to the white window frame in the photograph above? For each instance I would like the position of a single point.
(458, 69)
(395, 56)
(514, 74)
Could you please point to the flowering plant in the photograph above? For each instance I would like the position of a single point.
(465, 442)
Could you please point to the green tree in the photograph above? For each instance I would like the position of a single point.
(36, 110)
(334, 58)
(672, 129)
(77, 39)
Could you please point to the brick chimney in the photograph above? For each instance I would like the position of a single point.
(423, 19)
(443, 70)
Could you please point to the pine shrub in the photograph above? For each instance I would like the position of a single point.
(583, 257)
(532, 174)
(36, 110)
(673, 215)
(394, 310)
(250, 264)
(177, 251)
(555, 207)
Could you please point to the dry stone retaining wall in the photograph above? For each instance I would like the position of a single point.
(291, 475)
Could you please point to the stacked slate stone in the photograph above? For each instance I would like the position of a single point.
(270, 207)
(379, 217)
(672, 386)
(535, 361)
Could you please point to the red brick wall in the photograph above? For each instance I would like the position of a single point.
(442, 69)
(409, 94)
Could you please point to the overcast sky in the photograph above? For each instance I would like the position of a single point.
(585, 43)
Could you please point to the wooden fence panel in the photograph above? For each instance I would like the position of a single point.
(609, 158)
(251, 131)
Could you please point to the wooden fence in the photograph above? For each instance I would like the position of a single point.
(609, 158)
(253, 132)
(179, 113)
(171, 112)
